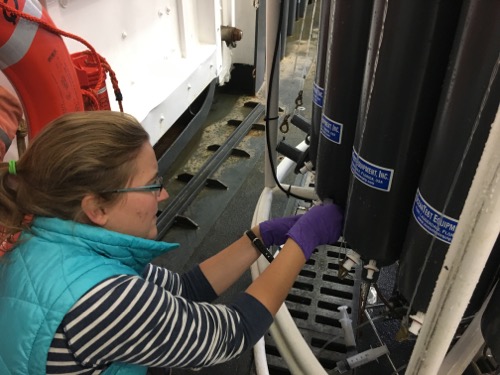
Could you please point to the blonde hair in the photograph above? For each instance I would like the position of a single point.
(76, 154)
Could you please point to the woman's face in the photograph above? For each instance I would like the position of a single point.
(135, 212)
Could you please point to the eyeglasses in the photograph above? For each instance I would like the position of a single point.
(156, 187)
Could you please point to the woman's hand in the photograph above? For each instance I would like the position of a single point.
(321, 225)
(273, 231)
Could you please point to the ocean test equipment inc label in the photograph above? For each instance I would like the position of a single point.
(432, 221)
(318, 95)
(370, 174)
(331, 130)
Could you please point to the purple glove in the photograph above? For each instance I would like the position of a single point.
(321, 225)
(273, 232)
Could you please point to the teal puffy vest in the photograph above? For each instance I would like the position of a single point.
(54, 265)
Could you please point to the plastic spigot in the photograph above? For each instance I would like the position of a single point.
(346, 324)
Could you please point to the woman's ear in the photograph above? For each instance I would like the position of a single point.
(95, 211)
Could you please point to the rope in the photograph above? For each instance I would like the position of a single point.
(102, 67)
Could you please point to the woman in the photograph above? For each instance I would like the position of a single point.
(77, 292)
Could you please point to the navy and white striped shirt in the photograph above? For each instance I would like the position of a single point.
(160, 320)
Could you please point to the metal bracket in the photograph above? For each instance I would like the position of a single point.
(234, 151)
(185, 222)
(260, 127)
(210, 182)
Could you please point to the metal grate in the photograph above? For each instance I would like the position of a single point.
(313, 303)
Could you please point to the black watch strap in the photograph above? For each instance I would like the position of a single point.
(257, 243)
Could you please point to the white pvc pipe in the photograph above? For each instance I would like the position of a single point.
(477, 231)
(286, 164)
(292, 347)
(466, 348)
(261, 213)
(260, 359)
(291, 344)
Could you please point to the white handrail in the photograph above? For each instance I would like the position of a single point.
(477, 231)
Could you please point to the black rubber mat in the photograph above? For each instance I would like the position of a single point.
(313, 303)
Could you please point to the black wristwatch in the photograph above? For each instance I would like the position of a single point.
(259, 245)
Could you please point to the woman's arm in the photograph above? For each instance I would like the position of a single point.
(319, 225)
(192, 285)
(127, 319)
(280, 274)
(227, 266)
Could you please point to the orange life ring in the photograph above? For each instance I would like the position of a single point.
(38, 65)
